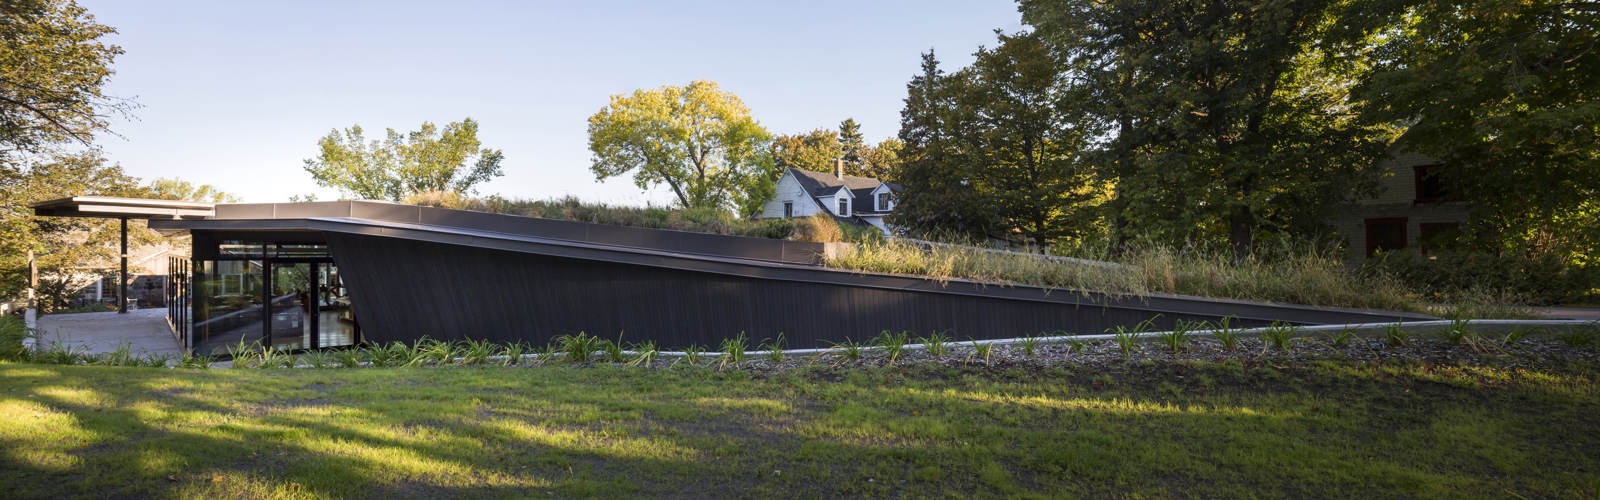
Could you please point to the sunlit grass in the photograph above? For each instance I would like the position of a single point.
(1327, 429)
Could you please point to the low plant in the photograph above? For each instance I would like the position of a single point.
(1279, 335)
(733, 349)
(644, 354)
(348, 358)
(273, 357)
(243, 355)
(1127, 339)
(1177, 339)
(1515, 335)
(513, 353)
(1587, 335)
(613, 350)
(1029, 344)
(1342, 337)
(473, 352)
(1457, 332)
(893, 344)
(1394, 334)
(937, 344)
(122, 355)
(192, 361)
(433, 351)
(691, 354)
(547, 354)
(1075, 345)
(579, 348)
(848, 349)
(316, 359)
(774, 350)
(982, 350)
(61, 353)
(1226, 334)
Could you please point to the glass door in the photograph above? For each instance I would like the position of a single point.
(291, 289)
(336, 317)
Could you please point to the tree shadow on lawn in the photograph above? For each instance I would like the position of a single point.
(303, 435)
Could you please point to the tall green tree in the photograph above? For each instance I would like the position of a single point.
(697, 139)
(853, 144)
(54, 64)
(1227, 119)
(428, 159)
(815, 151)
(939, 196)
(1025, 138)
(1507, 93)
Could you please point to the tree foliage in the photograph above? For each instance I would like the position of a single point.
(1508, 94)
(854, 145)
(939, 195)
(179, 189)
(1225, 120)
(61, 244)
(815, 151)
(697, 139)
(53, 67)
(427, 159)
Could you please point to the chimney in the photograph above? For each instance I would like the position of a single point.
(838, 168)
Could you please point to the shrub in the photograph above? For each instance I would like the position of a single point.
(12, 334)
(1449, 274)
(820, 228)
(580, 347)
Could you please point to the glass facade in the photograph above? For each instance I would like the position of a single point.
(286, 295)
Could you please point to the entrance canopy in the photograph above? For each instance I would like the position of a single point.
(122, 208)
(119, 208)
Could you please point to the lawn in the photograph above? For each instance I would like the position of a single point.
(1150, 429)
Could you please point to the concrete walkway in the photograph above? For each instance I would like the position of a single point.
(144, 329)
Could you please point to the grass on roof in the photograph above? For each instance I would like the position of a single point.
(1328, 429)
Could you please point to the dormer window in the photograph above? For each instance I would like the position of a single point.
(844, 206)
(883, 202)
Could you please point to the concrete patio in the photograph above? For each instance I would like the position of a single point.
(145, 330)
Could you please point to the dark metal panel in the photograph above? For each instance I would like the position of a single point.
(1172, 305)
(404, 290)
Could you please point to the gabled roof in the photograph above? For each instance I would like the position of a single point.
(825, 184)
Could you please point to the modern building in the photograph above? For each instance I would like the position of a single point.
(804, 193)
(330, 274)
(1412, 210)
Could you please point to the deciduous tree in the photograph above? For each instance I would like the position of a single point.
(428, 159)
(697, 139)
(54, 65)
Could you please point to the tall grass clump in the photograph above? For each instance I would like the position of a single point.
(733, 349)
(1291, 274)
(937, 344)
(579, 348)
(893, 344)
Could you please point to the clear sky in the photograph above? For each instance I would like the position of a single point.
(235, 94)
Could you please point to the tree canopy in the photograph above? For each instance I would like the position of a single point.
(428, 159)
(697, 139)
(53, 67)
(179, 189)
(815, 151)
(1507, 94)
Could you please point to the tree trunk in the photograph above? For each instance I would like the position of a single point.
(1241, 224)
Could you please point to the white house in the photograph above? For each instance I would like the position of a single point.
(803, 193)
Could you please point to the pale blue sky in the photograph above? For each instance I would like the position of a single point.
(236, 94)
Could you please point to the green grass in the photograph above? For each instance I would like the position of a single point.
(1327, 429)
(1297, 277)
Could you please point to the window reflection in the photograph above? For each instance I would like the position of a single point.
(229, 307)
